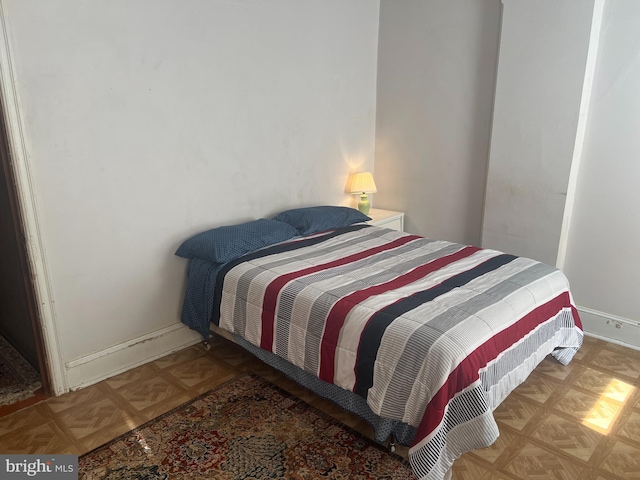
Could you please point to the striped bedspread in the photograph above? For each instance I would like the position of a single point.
(431, 333)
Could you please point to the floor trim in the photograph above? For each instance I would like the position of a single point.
(106, 363)
(611, 328)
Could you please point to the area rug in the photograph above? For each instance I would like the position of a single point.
(18, 379)
(245, 429)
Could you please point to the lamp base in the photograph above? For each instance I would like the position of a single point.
(363, 205)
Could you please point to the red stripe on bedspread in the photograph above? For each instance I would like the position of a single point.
(467, 371)
(576, 317)
(339, 312)
(273, 289)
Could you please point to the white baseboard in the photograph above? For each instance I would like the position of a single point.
(112, 361)
(612, 328)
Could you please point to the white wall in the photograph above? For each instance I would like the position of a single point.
(602, 255)
(148, 121)
(436, 75)
(434, 62)
(145, 122)
(541, 70)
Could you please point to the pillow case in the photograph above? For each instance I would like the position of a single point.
(317, 219)
(223, 244)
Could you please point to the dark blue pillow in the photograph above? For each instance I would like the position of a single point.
(318, 219)
(223, 244)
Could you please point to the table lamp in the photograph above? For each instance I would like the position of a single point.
(362, 183)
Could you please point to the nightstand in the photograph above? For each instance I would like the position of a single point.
(387, 219)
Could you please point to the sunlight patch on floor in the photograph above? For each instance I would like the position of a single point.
(606, 410)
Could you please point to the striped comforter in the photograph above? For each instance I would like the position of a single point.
(430, 333)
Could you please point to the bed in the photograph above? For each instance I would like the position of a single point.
(423, 338)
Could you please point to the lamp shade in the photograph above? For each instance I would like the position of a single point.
(363, 183)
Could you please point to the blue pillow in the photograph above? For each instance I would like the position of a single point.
(223, 244)
(318, 219)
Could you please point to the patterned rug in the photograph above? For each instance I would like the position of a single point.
(245, 429)
(18, 379)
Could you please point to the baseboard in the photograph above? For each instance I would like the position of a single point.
(112, 361)
(612, 328)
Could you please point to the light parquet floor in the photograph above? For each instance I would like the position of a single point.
(563, 423)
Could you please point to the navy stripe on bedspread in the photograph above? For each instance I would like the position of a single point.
(373, 332)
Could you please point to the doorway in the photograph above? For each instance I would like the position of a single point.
(19, 321)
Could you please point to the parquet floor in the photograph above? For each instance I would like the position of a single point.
(563, 423)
